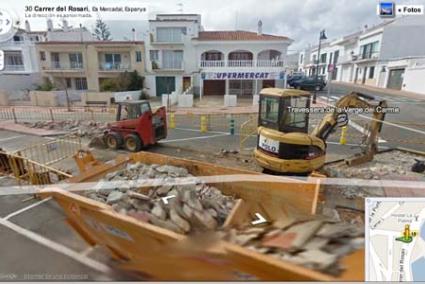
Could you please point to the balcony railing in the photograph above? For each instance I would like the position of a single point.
(14, 68)
(57, 65)
(241, 63)
(172, 65)
(114, 66)
(212, 63)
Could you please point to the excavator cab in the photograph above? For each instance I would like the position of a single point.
(284, 113)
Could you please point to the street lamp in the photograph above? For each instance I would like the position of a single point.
(322, 36)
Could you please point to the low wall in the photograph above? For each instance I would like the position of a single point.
(43, 98)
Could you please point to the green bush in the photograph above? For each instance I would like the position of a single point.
(124, 82)
(46, 86)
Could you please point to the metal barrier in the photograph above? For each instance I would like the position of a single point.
(248, 132)
(28, 171)
(52, 151)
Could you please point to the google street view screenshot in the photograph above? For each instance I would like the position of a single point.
(238, 140)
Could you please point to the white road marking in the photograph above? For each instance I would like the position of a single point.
(194, 138)
(56, 247)
(26, 208)
(11, 138)
(197, 130)
(335, 97)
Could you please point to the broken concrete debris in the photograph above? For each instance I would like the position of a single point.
(315, 244)
(192, 207)
(82, 128)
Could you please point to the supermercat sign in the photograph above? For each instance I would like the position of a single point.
(243, 75)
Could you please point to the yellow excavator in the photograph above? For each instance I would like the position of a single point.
(284, 144)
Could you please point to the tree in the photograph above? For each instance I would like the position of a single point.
(101, 31)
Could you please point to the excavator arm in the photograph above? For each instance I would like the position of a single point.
(355, 100)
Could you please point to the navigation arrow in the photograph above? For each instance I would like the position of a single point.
(165, 199)
(260, 219)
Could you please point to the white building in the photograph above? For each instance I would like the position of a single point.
(388, 55)
(183, 56)
(21, 70)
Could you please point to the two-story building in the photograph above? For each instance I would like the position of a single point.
(183, 56)
(21, 69)
(84, 65)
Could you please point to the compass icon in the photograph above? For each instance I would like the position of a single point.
(9, 24)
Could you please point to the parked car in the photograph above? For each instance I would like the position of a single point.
(309, 83)
(294, 77)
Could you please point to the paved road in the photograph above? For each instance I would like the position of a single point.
(404, 129)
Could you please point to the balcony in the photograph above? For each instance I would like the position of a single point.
(167, 66)
(114, 67)
(68, 66)
(241, 63)
(14, 68)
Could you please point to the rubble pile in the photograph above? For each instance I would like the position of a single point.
(81, 128)
(386, 165)
(189, 208)
(315, 244)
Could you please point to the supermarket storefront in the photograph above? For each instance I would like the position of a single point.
(243, 83)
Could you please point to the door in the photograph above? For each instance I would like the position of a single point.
(395, 79)
(214, 87)
(186, 83)
(364, 75)
(165, 85)
(268, 84)
(356, 75)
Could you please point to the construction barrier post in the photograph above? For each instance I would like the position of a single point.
(14, 115)
(232, 126)
(204, 126)
(343, 138)
(51, 114)
(172, 121)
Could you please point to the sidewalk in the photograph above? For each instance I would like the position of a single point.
(10, 125)
(383, 91)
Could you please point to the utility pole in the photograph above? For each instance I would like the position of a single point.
(321, 36)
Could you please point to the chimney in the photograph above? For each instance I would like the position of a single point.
(27, 26)
(260, 28)
(49, 25)
(65, 25)
(133, 30)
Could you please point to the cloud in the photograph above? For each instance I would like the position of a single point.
(300, 20)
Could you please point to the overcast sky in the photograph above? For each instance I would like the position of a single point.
(300, 20)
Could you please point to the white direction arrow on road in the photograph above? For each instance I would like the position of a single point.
(165, 199)
(260, 219)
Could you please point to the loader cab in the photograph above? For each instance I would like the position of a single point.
(132, 109)
(284, 110)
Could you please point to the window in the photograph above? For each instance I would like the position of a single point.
(301, 58)
(330, 57)
(154, 55)
(80, 83)
(292, 119)
(371, 72)
(55, 59)
(76, 60)
(368, 50)
(14, 59)
(323, 58)
(17, 38)
(270, 109)
(68, 83)
(112, 61)
(42, 56)
(170, 34)
(336, 56)
(172, 59)
(138, 56)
